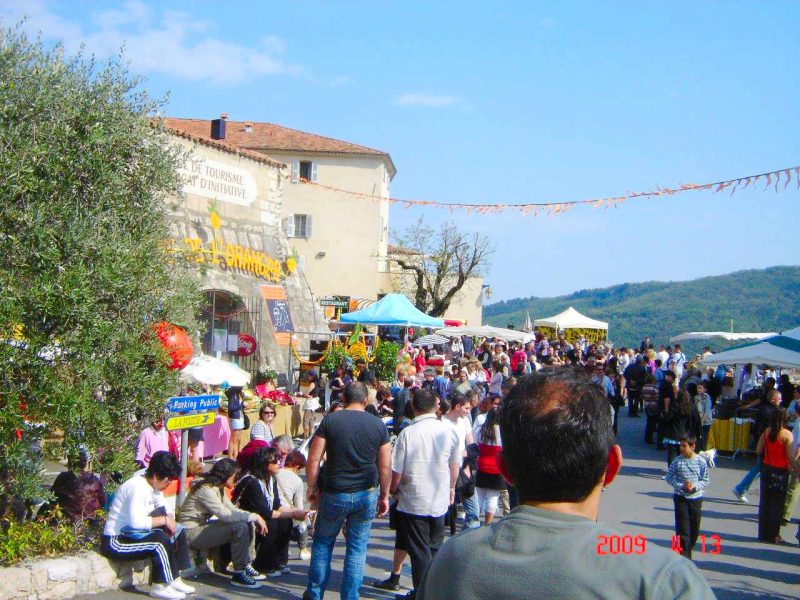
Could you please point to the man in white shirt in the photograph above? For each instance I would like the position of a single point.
(425, 464)
(457, 419)
(678, 361)
(138, 527)
(662, 355)
(623, 360)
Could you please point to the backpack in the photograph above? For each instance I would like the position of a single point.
(650, 400)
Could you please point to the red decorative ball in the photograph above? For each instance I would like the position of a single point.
(176, 342)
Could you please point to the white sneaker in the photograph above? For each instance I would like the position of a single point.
(181, 586)
(740, 497)
(305, 554)
(165, 592)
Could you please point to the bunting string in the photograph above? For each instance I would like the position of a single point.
(772, 178)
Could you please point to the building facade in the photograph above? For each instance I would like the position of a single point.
(228, 225)
(335, 209)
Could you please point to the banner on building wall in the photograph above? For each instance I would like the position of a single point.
(218, 181)
(279, 314)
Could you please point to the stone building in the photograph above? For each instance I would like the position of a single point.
(340, 238)
(228, 225)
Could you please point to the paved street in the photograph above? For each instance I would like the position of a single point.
(638, 503)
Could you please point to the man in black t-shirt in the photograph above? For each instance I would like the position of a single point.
(358, 463)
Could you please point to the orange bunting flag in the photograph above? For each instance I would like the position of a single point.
(554, 208)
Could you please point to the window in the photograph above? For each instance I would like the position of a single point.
(298, 226)
(304, 170)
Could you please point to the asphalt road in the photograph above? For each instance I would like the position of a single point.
(639, 502)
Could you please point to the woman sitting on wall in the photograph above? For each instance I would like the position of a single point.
(257, 492)
(211, 520)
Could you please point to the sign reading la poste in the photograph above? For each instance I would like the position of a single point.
(216, 180)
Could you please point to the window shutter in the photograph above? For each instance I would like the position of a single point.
(295, 171)
(313, 172)
(308, 226)
(290, 226)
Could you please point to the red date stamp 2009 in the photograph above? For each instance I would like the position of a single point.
(621, 544)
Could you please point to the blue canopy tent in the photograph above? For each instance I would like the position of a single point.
(392, 309)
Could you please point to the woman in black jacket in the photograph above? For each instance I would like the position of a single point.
(681, 418)
(257, 492)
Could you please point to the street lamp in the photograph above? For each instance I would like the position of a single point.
(487, 291)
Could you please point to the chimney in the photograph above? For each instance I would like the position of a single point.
(248, 128)
(218, 127)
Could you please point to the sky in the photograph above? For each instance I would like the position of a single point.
(506, 102)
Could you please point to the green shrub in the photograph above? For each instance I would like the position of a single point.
(386, 360)
(53, 535)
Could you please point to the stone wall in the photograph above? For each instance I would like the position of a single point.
(60, 578)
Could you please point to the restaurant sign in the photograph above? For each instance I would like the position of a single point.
(342, 302)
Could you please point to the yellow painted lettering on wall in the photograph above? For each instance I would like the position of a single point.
(235, 256)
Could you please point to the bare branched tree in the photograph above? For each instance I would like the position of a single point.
(436, 265)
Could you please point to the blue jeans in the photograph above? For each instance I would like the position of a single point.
(358, 510)
(472, 512)
(744, 485)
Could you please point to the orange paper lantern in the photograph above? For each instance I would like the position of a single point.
(176, 342)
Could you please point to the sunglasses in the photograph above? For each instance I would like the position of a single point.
(268, 412)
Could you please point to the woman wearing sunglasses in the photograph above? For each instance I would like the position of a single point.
(262, 429)
(258, 492)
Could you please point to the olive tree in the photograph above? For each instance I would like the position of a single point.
(85, 267)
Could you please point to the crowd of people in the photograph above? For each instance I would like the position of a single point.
(526, 431)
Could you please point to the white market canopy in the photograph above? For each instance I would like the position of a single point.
(392, 309)
(214, 371)
(570, 319)
(731, 337)
(431, 340)
(487, 331)
(776, 351)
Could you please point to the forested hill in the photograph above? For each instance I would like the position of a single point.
(756, 300)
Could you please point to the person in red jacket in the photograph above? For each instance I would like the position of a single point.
(489, 481)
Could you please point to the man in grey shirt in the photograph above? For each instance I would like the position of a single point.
(559, 451)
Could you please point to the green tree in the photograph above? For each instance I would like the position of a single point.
(85, 269)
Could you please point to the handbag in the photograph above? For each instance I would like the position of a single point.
(775, 480)
(465, 486)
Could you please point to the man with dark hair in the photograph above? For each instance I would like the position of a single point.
(425, 464)
(559, 451)
(138, 527)
(635, 374)
(365, 374)
(358, 461)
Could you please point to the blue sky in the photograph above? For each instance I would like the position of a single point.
(507, 102)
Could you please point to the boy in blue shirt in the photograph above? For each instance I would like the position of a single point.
(688, 476)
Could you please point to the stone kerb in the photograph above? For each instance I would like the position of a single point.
(68, 576)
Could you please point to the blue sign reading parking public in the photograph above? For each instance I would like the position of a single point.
(184, 404)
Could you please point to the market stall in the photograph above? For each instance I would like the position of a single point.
(574, 325)
(392, 309)
(488, 332)
(783, 351)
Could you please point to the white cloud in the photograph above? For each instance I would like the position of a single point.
(172, 43)
(432, 100)
(340, 81)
